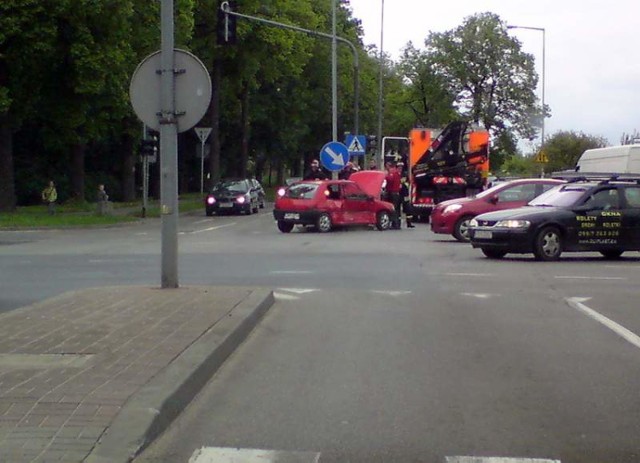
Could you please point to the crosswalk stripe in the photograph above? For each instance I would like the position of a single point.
(233, 455)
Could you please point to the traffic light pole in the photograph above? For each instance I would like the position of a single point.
(356, 66)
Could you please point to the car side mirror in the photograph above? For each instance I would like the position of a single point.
(494, 199)
(371, 199)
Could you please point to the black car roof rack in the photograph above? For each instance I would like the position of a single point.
(601, 177)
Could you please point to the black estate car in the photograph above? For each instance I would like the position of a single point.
(582, 215)
(235, 196)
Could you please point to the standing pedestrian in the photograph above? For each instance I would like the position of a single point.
(405, 197)
(394, 184)
(49, 197)
(315, 172)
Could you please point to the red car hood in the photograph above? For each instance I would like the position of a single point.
(370, 181)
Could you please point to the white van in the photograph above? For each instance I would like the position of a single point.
(623, 159)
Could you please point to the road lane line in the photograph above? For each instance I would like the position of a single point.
(498, 460)
(479, 295)
(630, 336)
(217, 227)
(234, 455)
(579, 277)
(469, 274)
(289, 272)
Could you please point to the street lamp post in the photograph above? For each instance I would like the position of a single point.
(541, 29)
(380, 157)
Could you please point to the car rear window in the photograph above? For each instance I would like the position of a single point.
(302, 191)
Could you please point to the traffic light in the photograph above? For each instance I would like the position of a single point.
(149, 147)
(227, 28)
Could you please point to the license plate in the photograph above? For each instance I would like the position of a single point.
(483, 235)
(291, 216)
(225, 205)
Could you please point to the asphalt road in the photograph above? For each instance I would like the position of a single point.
(395, 346)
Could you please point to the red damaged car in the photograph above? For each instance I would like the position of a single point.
(452, 217)
(326, 204)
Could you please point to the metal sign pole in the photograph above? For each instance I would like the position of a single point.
(168, 151)
(201, 167)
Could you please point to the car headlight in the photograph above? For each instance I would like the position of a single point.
(281, 192)
(241, 199)
(473, 223)
(451, 208)
(513, 224)
(211, 200)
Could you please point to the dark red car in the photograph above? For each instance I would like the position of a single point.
(452, 217)
(326, 204)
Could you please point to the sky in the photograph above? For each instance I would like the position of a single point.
(592, 59)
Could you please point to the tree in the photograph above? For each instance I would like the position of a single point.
(493, 80)
(27, 37)
(428, 94)
(565, 147)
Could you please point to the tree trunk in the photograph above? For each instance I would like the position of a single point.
(128, 177)
(244, 147)
(77, 171)
(214, 137)
(7, 181)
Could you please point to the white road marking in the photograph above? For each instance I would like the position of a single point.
(479, 295)
(285, 297)
(141, 234)
(498, 460)
(630, 336)
(202, 221)
(233, 455)
(391, 293)
(469, 274)
(299, 290)
(579, 277)
(217, 227)
(289, 272)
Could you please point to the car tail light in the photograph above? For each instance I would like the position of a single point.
(425, 200)
(211, 200)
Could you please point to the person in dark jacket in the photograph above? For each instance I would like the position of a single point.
(315, 172)
(394, 184)
(405, 197)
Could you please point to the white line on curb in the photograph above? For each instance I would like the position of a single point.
(630, 336)
(578, 277)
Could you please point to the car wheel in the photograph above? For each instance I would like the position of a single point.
(262, 204)
(461, 229)
(494, 253)
(323, 224)
(548, 244)
(383, 220)
(285, 227)
(248, 210)
(612, 253)
(209, 212)
(255, 209)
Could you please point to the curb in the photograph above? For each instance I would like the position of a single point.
(150, 411)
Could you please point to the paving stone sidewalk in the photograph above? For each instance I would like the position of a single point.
(68, 365)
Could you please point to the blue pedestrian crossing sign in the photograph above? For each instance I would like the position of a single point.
(334, 156)
(357, 144)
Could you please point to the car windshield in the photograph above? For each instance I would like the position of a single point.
(560, 196)
(232, 186)
(302, 191)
